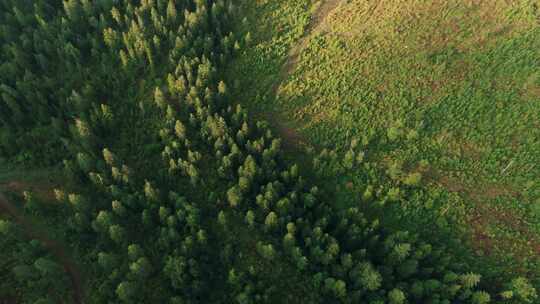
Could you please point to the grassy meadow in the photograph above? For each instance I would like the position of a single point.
(443, 97)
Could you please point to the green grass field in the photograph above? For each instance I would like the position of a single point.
(447, 89)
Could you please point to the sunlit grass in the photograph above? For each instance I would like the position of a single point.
(451, 87)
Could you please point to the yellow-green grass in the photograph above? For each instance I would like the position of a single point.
(450, 89)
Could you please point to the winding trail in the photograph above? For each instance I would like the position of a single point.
(291, 137)
(315, 24)
(52, 246)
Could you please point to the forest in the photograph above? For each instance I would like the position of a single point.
(167, 189)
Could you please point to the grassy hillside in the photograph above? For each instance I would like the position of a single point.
(446, 89)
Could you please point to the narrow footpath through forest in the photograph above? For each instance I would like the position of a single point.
(53, 247)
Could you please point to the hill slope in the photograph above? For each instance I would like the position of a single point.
(446, 92)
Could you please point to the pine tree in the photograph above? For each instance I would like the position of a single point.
(234, 196)
(250, 218)
(413, 179)
(222, 88)
(134, 252)
(108, 156)
(126, 291)
(368, 277)
(271, 220)
(117, 233)
(141, 268)
(222, 219)
(159, 98)
(480, 297)
(107, 261)
(180, 130)
(521, 290)
(470, 280)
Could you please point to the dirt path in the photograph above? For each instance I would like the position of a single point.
(54, 248)
(317, 19)
(484, 215)
(290, 136)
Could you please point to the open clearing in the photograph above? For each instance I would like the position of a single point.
(446, 89)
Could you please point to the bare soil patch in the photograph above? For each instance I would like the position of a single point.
(43, 191)
(317, 19)
(486, 215)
